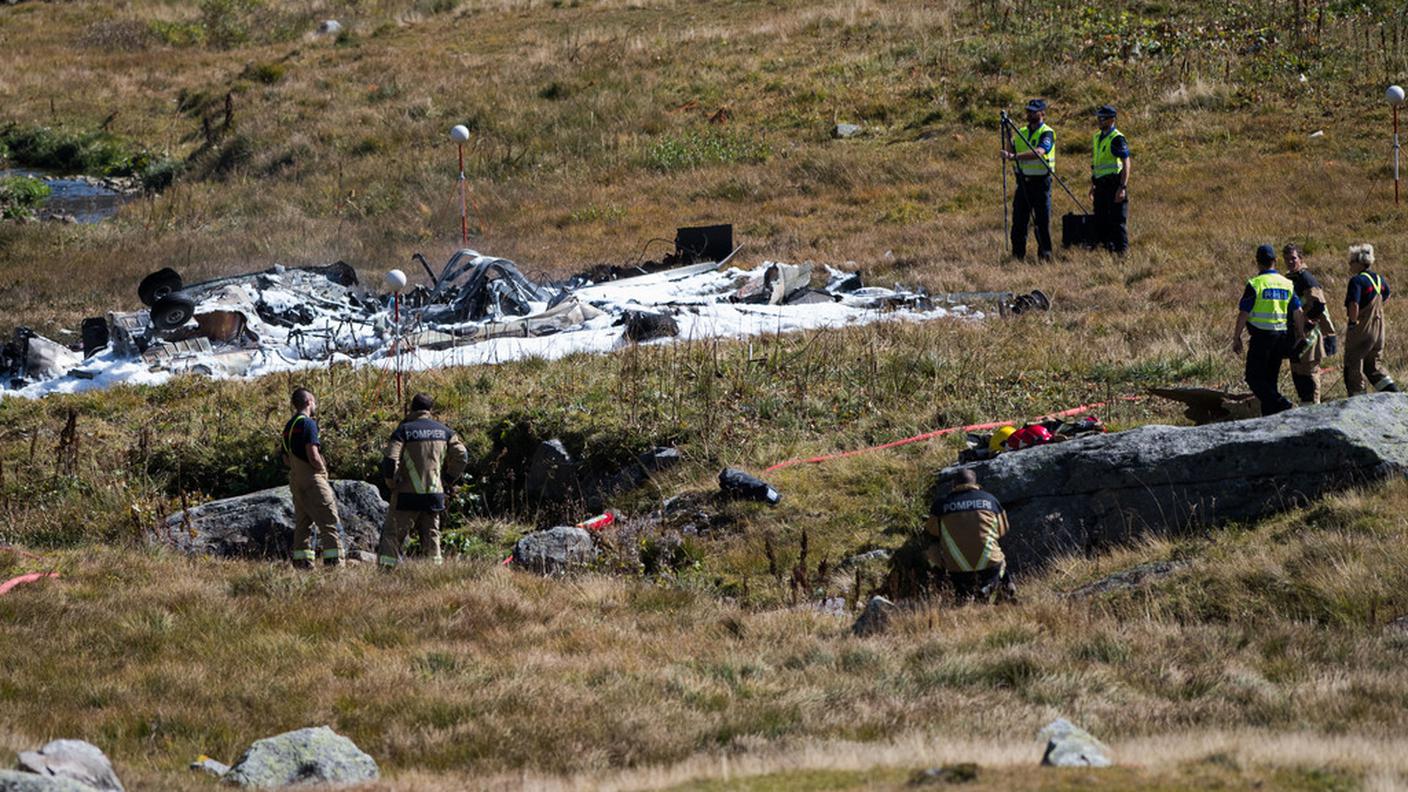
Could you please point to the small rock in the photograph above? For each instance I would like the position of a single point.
(832, 606)
(962, 773)
(19, 781)
(552, 473)
(204, 764)
(329, 27)
(555, 550)
(873, 555)
(661, 458)
(1068, 745)
(315, 755)
(843, 131)
(734, 483)
(74, 760)
(875, 619)
(1134, 577)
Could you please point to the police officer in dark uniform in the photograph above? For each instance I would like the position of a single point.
(1269, 311)
(1033, 149)
(1109, 183)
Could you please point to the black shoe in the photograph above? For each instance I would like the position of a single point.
(1044, 258)
(332, 562)
(302, 563)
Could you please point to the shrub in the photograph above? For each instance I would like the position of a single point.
(21, 195)
(267, 73)
(161, 174)
(95, 153)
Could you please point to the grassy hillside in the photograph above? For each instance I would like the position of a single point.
(596, 127)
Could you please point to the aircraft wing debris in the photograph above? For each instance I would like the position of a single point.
(475, 309)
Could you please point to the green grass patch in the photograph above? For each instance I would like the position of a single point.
(694, 149)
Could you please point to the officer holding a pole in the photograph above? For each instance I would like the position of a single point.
(1032, 150)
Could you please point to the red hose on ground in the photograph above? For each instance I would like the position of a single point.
(941, 433)
(23, 579)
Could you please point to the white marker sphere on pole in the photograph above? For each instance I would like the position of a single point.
(460, 133)
(396, 280)
(1394, 94)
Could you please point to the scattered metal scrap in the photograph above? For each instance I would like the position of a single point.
(280, 317)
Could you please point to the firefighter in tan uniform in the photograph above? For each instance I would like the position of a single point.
(419, 449)
(314, 507)
(964, 527)
(1320, 339)
(1364, 336)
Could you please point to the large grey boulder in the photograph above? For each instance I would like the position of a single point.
(19, 781)
(74, 760)
(1068, 745)
(316, 755)
(260, 524)
(555, 550)
(1088, 493)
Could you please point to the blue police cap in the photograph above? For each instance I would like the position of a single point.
(1105, 111)
(1036, 106)
(1266, 254)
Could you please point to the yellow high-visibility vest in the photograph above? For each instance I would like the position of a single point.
(1273, 300)
(1102, 161)
(1020, 145)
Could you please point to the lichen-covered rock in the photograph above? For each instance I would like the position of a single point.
(316, 755)
(1085, 494)
(1068, 745)
(260, 524)
(74, 760)
(19, 781)
(555, 550)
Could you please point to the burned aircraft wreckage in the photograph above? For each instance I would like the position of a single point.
(290, 317)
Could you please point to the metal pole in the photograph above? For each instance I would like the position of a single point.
(1395, 155)
(464, 205)
(1049, 172)
(1002, 141)
(396, 345)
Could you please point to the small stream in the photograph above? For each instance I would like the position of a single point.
(86, 200)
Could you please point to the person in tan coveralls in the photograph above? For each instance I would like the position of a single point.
(314, 507)
(1364, 338)
(412, 466)
(964, 528)
(1320, 339)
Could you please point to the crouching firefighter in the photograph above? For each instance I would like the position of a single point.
(420, 448)
(314, 507)
(964, 527)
